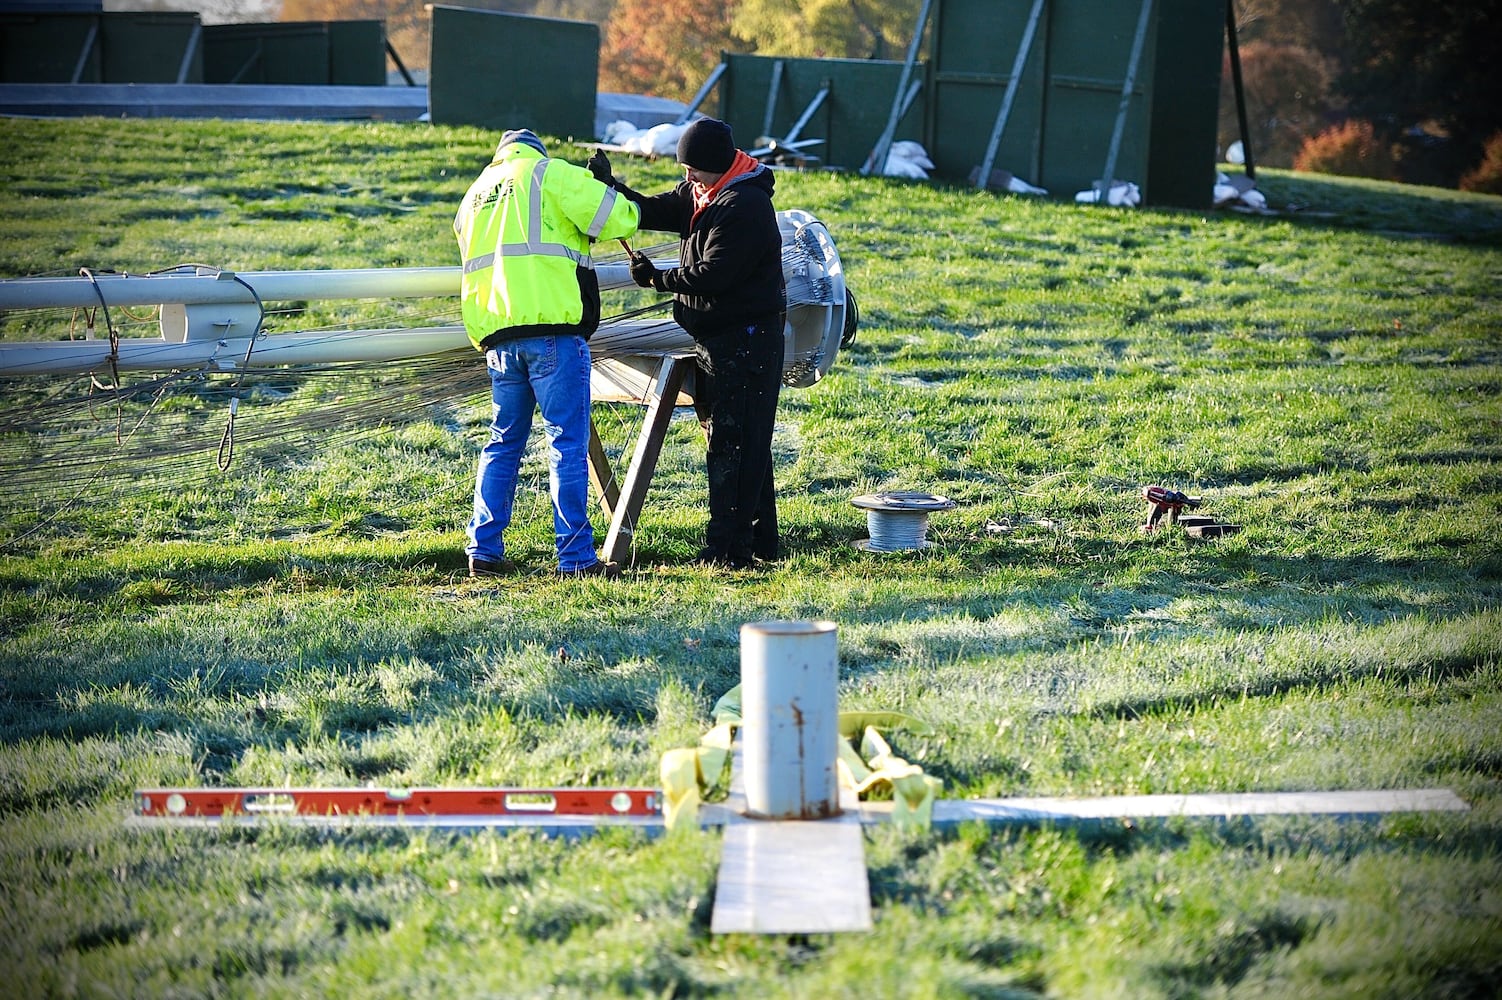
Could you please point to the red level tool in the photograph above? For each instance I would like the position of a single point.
(176, 802)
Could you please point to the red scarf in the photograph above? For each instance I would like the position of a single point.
(742, 165)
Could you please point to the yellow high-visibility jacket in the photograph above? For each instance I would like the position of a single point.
(524, 230)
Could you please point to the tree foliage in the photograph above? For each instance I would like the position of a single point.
(666, 48)
(853, 29)
(1417, 61)
(1421, 74)
(211, 11)
(1288, 100)
(1351, 149)
(1314, 24)
(1486, 176)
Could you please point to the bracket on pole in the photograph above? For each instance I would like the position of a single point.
(1108, 179)
(714, 78)
(1234, 52)
(1024, 48)
(878, 158)
(772, 91)
(83, 55)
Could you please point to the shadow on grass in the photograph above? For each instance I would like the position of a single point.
(548, 668)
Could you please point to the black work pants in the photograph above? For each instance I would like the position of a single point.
(736, 388)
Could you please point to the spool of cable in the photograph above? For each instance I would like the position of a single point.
(898, 521)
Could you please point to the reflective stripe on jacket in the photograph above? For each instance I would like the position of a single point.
(524, 230)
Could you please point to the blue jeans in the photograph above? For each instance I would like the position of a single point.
(551, 374)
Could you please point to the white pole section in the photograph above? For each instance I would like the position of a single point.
(271, 286)
(228, 286)
(790, 726)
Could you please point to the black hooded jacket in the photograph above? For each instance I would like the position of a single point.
(729, 271)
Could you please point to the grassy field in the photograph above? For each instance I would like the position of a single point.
(1329, 377)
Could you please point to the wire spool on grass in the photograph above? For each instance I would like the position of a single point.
(898, 521)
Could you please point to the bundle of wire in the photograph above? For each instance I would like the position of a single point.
(70, 440)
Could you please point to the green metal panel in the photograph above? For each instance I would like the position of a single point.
(1090, 46)
(849, 119)
(505, 71)
(98, 48)
(976, 36)
(357, 53)
(1186, 98)
(973, 46)
(345, 53)
(46, 48)
(1059, 130)
(295, 52)
(145, 48)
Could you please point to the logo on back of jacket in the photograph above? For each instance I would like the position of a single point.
(505, 189)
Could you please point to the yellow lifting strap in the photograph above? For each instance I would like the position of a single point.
(691, 774)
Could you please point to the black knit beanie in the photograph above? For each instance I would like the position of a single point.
(707, 145)
(522, 135)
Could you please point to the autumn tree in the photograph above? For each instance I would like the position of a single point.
(1351, 149)
(1291, 53)
(1312, 24)
(1486, 176)
(1421, 63)
(666, 48)
(1422, 74)
(1289, 99)
(836, 29)
(597, 11)
(211, 11)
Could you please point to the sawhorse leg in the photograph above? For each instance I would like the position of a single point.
(623, 502)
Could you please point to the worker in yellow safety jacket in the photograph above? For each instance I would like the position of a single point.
(530, 302)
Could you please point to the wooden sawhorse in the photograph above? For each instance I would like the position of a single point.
(622, 502)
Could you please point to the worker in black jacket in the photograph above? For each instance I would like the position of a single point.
(728, 295)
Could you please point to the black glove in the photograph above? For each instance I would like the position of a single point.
(599, 165)
(644, 272)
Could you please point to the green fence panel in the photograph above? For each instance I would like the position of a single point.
(973, 47)
(48, 48)
(99, 48)
(1089, 52)
(505, 71)
(308, 53)
(296, 52)
(357, 53)
(1182, 154)
(1061, 123)
(849, 118)
(147, 48)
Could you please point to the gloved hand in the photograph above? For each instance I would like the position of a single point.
(644, 272)
(599, 166)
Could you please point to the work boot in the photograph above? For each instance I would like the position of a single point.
(720, 560)
(600, 568)
(490, 567)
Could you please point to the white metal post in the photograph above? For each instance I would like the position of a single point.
(790, 719)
